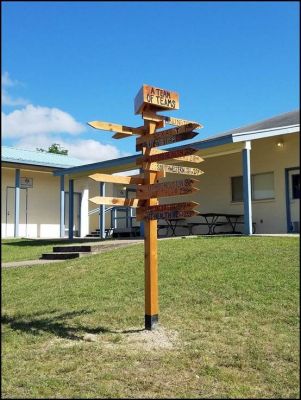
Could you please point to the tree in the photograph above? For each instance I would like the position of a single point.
(54, 148)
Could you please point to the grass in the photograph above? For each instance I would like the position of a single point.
(229, 317)
(31, 249)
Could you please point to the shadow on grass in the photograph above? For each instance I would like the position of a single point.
(56, 325)
(34, 242)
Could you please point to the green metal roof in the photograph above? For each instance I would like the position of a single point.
(32, 157)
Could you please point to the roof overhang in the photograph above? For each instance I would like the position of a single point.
(27, 166)
(109, 166)
(253, 135)
(216, 146)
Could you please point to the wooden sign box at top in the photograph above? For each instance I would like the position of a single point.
(156, 99)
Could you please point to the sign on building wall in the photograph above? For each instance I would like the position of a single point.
(26, 182)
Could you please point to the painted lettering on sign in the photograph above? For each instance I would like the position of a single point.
(173, 169)
(180, 122)
(169, 214)
(155, 98)
(187, 206)
(152, 142)
(167, 132)
(141, 212)
(161, 155)
(166, 189)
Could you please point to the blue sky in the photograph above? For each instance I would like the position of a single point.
(64, 64)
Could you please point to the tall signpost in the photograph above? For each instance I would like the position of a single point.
(148, 102)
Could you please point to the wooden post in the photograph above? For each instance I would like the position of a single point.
(150, 251)
(148, 101)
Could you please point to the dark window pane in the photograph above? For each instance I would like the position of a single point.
(237, 189)
(296, 186)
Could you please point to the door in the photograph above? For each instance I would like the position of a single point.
(10, 212)
(76, 213)
(293, 197)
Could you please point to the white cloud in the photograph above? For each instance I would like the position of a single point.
(7, 81)
(89, 151)
(92, 151)
(38, 120)
(7, 100)
(34, 127)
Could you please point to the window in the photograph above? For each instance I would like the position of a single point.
(237, 188)
(262, 186)
(296, 186)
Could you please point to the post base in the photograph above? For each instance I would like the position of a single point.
(151, 321)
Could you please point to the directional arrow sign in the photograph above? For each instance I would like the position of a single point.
(186, 206)
(151, 141)
(173, 169)
(117, 201)
(180, 122)
(127, 180)
(151, 116)
(168, 132)
(168, 214)
(166, 189)
(122, 130)
(180, 154)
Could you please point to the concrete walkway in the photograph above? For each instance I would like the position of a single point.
(100, 247)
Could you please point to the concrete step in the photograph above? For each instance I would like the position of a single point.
(60, 256)
(72, 249)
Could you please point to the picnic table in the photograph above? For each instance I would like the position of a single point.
(210, 220)
(172, 224)
(213, 220)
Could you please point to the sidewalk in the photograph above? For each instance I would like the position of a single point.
(101, 248)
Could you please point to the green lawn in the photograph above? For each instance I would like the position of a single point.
(30, 249)
(229, 323)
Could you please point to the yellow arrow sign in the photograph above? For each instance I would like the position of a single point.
(122, 130)
(117, 201)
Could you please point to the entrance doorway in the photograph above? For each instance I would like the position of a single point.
(10, 212)
(293, 199)
(76, 214)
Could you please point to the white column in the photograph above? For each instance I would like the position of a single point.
(17, 203)
(84, 213)
(62, 206)
(247, 193)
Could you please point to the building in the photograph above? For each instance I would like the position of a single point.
(253, 170)
(30, 201)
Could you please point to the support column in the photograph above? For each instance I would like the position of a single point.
(247, 194)
(17, 203)
(71, 208)
(84, 213)
(102, 221)
(62, 206)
